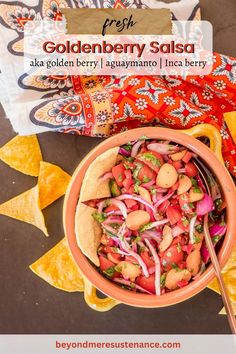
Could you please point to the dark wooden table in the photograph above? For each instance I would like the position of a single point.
(30, 305)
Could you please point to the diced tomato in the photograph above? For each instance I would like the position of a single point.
(118, 172)
(184, 203)
(105, 263)
(163, 207)
(131, 190)
(130, 203)
(190, 169)
(147, 283)
(182, 283)
(173, 214)
(128, 174)
(135, 207)
(146, 174)
(147, 259)
(177, 164)
(114, 257)
(108, 249)
(129, 165)
(187, 157)
(111, 208)
(188, 248)
(131, 259)
(173, 254)
(179, 239)
(106, 240)
(181, 265)
(152, 159)
(127, 183)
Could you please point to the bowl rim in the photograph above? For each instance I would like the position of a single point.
(71, 198)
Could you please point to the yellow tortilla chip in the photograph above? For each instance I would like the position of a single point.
(23, 154)
(58, 268)
(223, 312)
(25, 207)
(93, 187)
(88, 232)
(52, 182)
(230, 119)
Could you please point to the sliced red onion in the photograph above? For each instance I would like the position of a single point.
(126, 248)
(163, 149)
(217, 230)
(181, 170)
(136, 147)
(119, 205)
(106, 176)
(205, 254)
(128, 283)
(138, 199)
(154, 235)
(176, 231)
(191, 229)
(150, 212)
(157, 266)
(114, 212)
(108, 228)
(101, 206)
(148, 184)
(166, 197)
(113, 220)
(156, 224)
(124, 152)
(205, 205)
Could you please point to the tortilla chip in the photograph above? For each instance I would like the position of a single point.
(223, 312)
(92, 186)
(57, 267)
(23, 154)
(88, 232)
(52, 183)
(25, 207)
(230, 119)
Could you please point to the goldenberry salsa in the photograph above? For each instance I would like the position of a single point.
(152, 237)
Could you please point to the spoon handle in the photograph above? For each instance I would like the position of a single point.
(216, 266)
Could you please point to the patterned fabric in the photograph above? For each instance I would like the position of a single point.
(101, 106)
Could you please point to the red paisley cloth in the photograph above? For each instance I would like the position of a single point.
(175, 102)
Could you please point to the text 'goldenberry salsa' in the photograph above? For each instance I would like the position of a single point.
(152, 237)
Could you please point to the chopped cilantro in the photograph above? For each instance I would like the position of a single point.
(218, 203)
(194, 181)
(191, 205)
(196, 189)
(109, 271)
(146, 179)
(143, 137)
(179, 248)
(100, 217)
(127, 147)
(175, 266)
(137, 170)
(196, 239)
(145, 227)
(163, 280)
(199, 227)
(153, 190)
(216, 238)
(120, 177)
(151, 158)
(185, 221)
(136, 185)
(137, 239)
